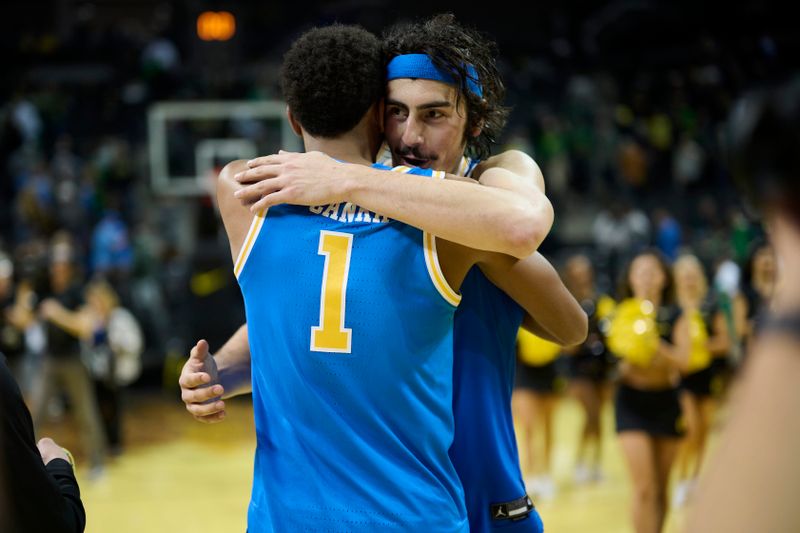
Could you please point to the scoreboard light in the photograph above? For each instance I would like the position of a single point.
(216, 26)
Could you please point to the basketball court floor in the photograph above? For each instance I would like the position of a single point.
(178, 475)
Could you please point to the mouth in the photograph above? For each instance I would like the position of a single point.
(415, 162)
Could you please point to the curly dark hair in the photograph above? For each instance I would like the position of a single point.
(452, 47)
(331, 76)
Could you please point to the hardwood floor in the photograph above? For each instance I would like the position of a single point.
(177, 475)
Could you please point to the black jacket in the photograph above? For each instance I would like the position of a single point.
(33, 497)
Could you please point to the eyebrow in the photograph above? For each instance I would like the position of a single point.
(429, 105)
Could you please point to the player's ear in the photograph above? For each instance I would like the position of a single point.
(293, 122)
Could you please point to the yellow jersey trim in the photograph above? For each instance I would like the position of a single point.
(435, 271)
(249, 241)
(432, 263)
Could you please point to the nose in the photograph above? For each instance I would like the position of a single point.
(412, 134)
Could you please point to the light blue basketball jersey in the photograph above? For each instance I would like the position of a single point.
(350, 327)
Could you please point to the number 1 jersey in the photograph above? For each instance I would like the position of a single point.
(350, 324)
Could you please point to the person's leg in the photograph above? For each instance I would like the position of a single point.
(706, 409)
(108, 404)
(688, 448)
(666, 448)
(539, 432)
(523, 412)
(593, 423)
(581, 391)
(639, 451)
(41, 390)
(548, 403)
(82, 396)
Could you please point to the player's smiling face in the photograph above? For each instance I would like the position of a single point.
(424, 128)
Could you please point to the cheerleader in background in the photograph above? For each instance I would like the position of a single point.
(758, 282)
(708, 338)
(101, 302)
(589, 366)
(644, 333)
(532, 405)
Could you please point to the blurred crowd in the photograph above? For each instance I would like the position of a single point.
(631, 161)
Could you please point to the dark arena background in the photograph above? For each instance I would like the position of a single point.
(116, 117)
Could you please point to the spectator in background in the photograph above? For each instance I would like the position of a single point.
(66, 322)
(688, 161)
(68, 189)
(758, 285)
(35, 204)
(618, 231)
(112, 250)
(589, 366)
(632, 162)
(12, 334)
(101, 302)
(668, 233)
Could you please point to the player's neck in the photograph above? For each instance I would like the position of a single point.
(344, 148)
(357, 146)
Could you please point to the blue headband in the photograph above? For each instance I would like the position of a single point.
(421, 66)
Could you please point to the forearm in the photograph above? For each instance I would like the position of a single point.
(19, 317)
(554, 314)
(719, 344)
(530, 324)
(233, 364)
(476, 216)
(76, 323)
(676, 355)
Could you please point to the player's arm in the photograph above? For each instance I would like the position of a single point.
(495, 217)
(512, 170)
(206, 379)
(21, 313)
(737, 495)
(235, 217)
(553, 313)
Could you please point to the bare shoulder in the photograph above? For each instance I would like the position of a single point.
(236, 217)
(515, 161)
(510, 163)
(227, 185)
(226, 175)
